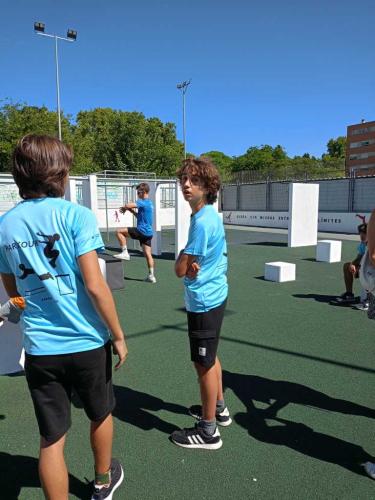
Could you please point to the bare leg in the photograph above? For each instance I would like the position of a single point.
(147, 253)
(348, 278)
(101, 437)
(209, 386)
(220, 394)
(52, 470)
(121, 235)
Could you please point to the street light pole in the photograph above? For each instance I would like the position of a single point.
(71, 37)
(183, 87)
(58, 88)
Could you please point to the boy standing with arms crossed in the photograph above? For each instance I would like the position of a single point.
(68, 315)
(203, 264)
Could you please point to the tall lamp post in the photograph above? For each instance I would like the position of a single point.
(71, 36)
(183, 87)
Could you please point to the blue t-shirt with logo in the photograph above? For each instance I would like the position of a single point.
(144, 216)
(40, 241)
(207, 241)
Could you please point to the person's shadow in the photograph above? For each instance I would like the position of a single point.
(20, 471)
(135, 408)
(295, 435)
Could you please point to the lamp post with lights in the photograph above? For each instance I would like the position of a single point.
(71, 36)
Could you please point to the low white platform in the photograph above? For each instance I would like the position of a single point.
(279, 271)
(328, 251)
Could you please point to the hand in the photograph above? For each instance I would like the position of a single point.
(352, 268)
(120, 349)
(193, 270)
(122, 210)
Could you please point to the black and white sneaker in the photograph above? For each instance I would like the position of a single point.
(106, 492)
(195, 437)
(222, 418)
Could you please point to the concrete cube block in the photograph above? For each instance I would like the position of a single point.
(328, 251)
(279, 271)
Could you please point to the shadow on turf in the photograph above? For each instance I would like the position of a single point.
(20, 471)
(327, 299)
(135, 407)
(268, 244)
(295, 435)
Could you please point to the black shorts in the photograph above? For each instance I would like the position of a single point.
(204, 331)
(51, 380)
(137, 235)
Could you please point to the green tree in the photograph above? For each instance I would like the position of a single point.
(336, 148)
(17, 120)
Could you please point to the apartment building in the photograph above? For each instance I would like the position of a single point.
(360, 149)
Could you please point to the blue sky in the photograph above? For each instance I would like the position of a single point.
(289, 72)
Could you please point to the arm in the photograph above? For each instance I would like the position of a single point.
(183, 263)
(102, 299)
(371, 237)
(130, 207)
(9, 282)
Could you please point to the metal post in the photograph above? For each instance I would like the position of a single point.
(58, 88)
(184, 122)
(183, 87)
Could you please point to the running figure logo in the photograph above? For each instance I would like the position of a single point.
(49, 251)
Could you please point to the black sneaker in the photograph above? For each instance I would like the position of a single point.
(195, 437)
(106, 492)
(222, 418)
(347, 298)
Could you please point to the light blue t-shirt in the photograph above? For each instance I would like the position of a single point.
(207, 241)
(40, 240)
(362, 248)
(144, 216)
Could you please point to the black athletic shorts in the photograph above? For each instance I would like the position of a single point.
(204, 331)
(137, 235)
(51, 380)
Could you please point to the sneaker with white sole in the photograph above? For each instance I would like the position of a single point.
(122, 255)
(150, 278)
(222, 417)
(196, 437)
(370, 469)
(106, 492)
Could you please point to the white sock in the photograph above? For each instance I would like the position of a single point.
(151, 271)
(124, 248)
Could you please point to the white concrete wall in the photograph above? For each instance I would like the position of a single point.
(335, 222)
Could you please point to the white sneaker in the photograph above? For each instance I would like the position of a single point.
(122, 255)
(370, 469)
(150, 278)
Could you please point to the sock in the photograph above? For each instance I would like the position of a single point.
(102, 480)
(208, 426)
(124, 248)
(151, 271)
(220, 405)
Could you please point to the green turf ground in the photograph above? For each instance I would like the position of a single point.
(284, 348)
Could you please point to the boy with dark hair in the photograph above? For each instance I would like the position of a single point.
(143, 232)
(203, 265)
(48, 255)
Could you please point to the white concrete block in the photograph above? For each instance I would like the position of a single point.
(328, 251)
(279, 271)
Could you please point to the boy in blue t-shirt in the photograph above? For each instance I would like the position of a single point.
(48, 256)
(143, 232)
(203, 264)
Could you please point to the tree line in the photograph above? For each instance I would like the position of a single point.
(105, 138)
